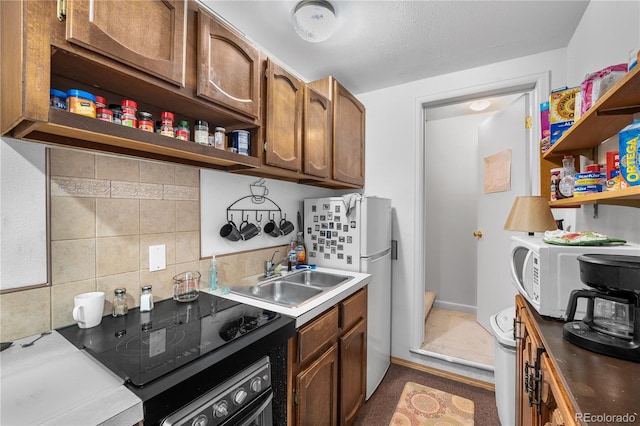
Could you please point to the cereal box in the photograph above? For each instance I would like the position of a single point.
(629, 152)
(562, 104)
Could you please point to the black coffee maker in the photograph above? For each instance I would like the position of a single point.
(611, 325)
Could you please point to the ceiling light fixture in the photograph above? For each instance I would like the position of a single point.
(314, 20)
(480, 105)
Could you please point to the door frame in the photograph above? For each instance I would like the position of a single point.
(539, 85)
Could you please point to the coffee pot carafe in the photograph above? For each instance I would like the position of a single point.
(611, 325)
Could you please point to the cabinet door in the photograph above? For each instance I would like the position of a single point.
(148, 35)
(555, 408)
(353, 365)
(317, 134)
(283, 119)
(317, 391)
(228, 67)
(528, 350)
(348, 136)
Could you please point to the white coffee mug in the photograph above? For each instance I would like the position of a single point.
(88, 308)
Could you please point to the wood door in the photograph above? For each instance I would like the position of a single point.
(148, 35)
(228, 67)
(283, 121)
(353, 367)
(317, 133)
(317, 391)
(348, 136)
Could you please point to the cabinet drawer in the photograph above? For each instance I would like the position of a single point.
(317, 335)
(353, 309)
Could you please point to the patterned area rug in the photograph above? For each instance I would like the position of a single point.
(420, 405)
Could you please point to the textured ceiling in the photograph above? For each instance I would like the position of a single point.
(380, 44)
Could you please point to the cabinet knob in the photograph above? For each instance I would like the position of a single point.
(477, 234)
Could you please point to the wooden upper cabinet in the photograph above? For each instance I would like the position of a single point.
(348, 136)
(228, 67)
(283, 118)
(317, 134)
(147, 35)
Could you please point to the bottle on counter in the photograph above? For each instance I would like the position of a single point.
(213, 274)
(120, 307)
(146, 299)
(301, 250)
(292, 258)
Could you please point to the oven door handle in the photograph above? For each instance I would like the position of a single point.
(247, 421)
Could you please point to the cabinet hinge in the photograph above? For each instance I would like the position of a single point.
(295, 396)
(61, 9)
(264, 147)
(528, 122)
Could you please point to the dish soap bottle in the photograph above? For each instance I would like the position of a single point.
(567, 178)
(213, 274)
(292, 257)
(301, 251)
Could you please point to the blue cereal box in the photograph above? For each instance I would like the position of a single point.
(629, 154)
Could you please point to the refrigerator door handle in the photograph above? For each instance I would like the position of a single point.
(376, 257)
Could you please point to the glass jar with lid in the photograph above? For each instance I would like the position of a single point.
(120, 307)
(166, 126)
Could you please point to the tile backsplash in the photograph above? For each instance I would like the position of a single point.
(105, 212)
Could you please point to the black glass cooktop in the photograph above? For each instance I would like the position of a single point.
(142, 346)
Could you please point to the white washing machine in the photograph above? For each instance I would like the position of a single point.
(504, 361)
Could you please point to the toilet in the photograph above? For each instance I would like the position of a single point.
(504, 355)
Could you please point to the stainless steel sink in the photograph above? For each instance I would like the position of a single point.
(294, 289)
(317, 279)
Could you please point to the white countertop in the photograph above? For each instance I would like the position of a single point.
(55, 383)
(311, 309)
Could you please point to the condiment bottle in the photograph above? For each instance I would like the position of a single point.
(301, 250)
(213, 274)
(166, 127)
(201, 132)
(146, 122)
(183, 132)
(218, 138)
(120, 307)
(146, 299)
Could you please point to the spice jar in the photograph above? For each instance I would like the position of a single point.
(201, 132)
(166, 127)
(104, 114)
(129, 109)
(117, 113)
(57, 99)
(145, 121)
(120, 307)
(183, 132)
(81, 102)
(100, 102)
(218, 138)
(146, 299)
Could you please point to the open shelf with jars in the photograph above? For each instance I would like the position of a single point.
(604, 119)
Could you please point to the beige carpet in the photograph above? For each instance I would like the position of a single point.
(421, 405)
(457, 334)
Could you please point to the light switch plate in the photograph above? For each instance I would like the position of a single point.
(157, 258)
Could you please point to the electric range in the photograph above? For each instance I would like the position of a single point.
(177, 352)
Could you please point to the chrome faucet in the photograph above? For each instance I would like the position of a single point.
(269, 266)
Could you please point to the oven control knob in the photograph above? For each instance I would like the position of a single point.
(201, 420)
(256, 384)
(220, 409)
(239, 396)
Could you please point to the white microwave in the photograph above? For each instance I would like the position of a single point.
(545, 274)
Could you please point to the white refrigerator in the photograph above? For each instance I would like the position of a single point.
(353, 233)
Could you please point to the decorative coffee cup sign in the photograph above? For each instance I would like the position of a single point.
(258, 191)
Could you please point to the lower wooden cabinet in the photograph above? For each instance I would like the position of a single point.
(540, 397)
(328, 365)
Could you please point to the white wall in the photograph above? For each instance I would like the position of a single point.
(23, 214)
(451, 200)
(219, 190)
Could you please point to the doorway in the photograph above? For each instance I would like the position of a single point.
(455, 211)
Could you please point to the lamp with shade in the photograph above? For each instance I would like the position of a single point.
(530, 214)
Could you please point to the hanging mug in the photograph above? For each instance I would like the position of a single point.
(230, 232)
(286, 227)
(272, 229)
(248, 230)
